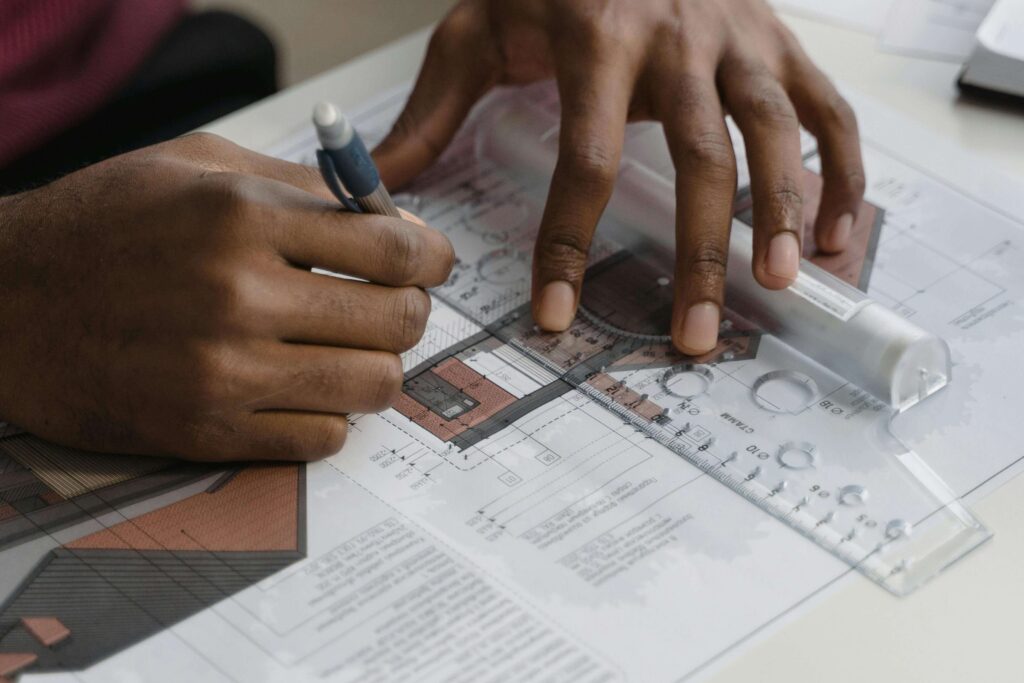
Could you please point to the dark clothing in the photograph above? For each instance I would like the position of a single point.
(207, 65)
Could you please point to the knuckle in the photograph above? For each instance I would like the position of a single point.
(591, 166)
(594, 34)
(201, 143)
(787, 200)
(388, 375)
(224, 200)
(447, 31)
(465, 29)
(398, 251)
(563, 253)
(788, 191)
(409, 310)
(856, 183)
(707, 262)
(711, 155)
(785, 38)
(211, 374)
(784, 205)
(230, 304)
(592, 26)
(769, 104)
(839, 115)
(459, 24)
(406, 127)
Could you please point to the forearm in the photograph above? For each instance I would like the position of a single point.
(8, 299)
(27, 256)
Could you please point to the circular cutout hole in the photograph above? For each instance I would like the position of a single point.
(503, 266)
(686, 381)
(853, 495)
(494, 224)
(798, 455)
(898, 528)
(785, 391)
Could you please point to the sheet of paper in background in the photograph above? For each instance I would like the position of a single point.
(941, 29)
(863, 15)
(997, 62)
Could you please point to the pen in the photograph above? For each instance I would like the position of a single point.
(346, 165)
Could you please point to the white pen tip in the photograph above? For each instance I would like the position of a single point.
(333, 129)
(325, 114)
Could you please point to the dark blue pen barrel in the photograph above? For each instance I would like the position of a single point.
(355, 167)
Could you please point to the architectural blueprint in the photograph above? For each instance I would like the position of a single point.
(500, 523)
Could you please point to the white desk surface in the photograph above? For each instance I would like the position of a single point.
(964, 625)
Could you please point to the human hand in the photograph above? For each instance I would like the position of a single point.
(685, 63)
(160, 302)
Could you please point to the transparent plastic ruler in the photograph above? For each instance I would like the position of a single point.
(792, 410)
(803, 445)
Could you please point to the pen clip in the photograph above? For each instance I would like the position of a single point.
(330, 176)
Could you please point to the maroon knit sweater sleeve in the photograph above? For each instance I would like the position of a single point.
(61, 59)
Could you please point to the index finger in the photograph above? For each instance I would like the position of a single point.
(461, 64)
(380, 249)
(308, 232)
(595, 93)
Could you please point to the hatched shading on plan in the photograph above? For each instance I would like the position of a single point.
(106, 590)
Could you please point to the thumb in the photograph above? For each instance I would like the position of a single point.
(461, 65)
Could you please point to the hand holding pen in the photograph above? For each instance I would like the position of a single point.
(221, 344)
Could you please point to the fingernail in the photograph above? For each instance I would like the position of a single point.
(783, 256)
(556, 307)
(411, 217)
(700, 328)
(841, 233)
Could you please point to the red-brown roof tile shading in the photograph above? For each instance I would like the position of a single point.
(7, 511)
(256, 511)
(119, 586)
(490, 396)
(13, 662)
(624, 396)
(47, 630)
(51, 497)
